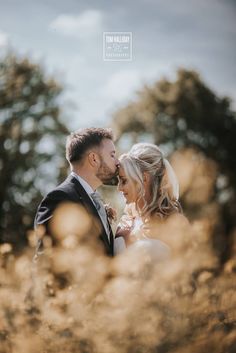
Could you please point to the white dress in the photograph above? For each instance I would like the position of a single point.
(154, 248)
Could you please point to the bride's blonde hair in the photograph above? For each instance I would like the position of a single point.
(147, 157)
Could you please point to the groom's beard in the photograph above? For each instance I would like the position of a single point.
(106, 175)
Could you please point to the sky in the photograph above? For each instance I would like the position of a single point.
(66, 37)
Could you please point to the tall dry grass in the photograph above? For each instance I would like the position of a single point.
(75, 299)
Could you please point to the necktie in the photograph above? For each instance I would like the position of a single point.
(96, 197)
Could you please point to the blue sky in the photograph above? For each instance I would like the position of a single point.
(66, 37)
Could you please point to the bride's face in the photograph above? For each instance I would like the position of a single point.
(126, 186)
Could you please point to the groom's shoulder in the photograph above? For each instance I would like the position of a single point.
(65, 184)
(65, 189)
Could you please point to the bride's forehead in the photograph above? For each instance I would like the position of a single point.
(121, 172)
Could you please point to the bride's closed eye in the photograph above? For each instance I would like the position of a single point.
(122, 181)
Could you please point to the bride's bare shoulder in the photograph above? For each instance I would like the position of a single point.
(180, 219)
(176, 222)
(176, 219)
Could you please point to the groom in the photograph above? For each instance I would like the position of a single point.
(91, 155)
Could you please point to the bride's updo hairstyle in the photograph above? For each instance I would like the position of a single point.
(164, 187)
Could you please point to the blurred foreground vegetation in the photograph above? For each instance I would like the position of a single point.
(74, 299)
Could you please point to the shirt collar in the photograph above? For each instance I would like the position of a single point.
(84, 183)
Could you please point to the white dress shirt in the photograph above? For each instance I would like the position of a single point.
(88, 188)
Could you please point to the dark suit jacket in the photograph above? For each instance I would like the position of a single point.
(71, 191)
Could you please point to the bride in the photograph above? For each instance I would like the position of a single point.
(151, 190)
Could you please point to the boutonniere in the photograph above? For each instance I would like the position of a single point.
(111, 213)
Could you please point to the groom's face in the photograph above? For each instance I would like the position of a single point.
(108, 168)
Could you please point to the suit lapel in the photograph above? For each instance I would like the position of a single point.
(111, 237)
(90, 207)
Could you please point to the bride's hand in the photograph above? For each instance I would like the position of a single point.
(125, 230)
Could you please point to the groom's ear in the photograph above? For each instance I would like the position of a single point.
(93, 159)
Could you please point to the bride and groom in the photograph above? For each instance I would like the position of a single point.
(144, 176)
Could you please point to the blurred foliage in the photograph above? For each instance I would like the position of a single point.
(74, 299)
(31, 135)
(186, 116)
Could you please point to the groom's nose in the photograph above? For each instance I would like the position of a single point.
(117, 163)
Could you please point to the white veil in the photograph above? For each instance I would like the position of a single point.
(172, 179)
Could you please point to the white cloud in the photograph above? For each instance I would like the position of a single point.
(86, 24)
(3, 39)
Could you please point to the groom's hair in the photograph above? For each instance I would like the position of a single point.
(80, 141)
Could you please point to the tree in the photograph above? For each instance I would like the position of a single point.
(31, 143)
(187, 114)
